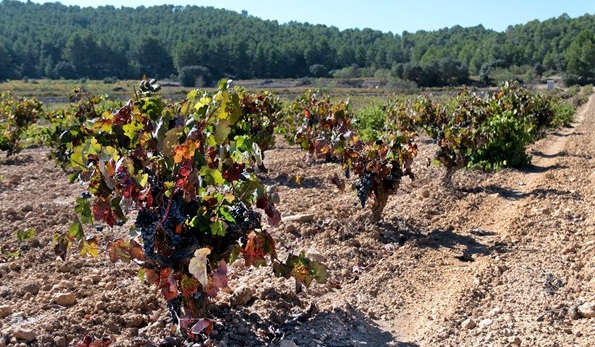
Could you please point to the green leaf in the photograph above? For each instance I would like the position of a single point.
(224, 84)
(24, 235)
(222, 131)
(217, 177)
(83, 208)
(228, 217)
(218, 228)
(131, 130)
(75, 231)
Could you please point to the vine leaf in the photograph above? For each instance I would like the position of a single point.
(198, 265)
(302, 269)
(121, 249)
(165, 280)
(188, 285)
(75, 231)
(90, 246)
(203, 324)
(83, 208)
(257, 247)
(218, 280)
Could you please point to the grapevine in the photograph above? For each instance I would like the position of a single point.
(16, 115)
(189, 169)
(324, 129)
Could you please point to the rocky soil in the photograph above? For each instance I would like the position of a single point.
(506, 260)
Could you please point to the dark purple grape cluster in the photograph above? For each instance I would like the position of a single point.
(175, 216)
(363, 188)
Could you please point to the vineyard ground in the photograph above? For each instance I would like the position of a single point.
(507, 260)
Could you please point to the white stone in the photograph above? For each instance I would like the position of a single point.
(587, 310)
(484, 323)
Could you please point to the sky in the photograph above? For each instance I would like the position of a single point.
(395, 16)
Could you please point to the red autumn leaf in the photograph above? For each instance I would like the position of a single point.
(257, 247)
(186, 168)
(203, 325)
(167, 284)
(218, 280)
(102, 211)
(232, 172)
(189, 285)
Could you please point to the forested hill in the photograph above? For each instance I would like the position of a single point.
(57, 41)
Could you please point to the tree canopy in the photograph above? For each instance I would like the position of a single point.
(57, 41)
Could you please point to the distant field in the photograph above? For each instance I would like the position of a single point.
(55, 93)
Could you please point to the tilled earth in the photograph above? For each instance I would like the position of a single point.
(508, 259)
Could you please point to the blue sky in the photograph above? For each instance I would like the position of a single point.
(385, 15)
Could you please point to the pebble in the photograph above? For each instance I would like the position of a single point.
(24, 334)
(287, 343)
(587, 310)
(573, 312)
(468, 324)
(484, 323)
(514, 340)
(65, 299)
(134, 320)
(242, 295)
(60, 341)
(495, 311)
(31, 287)
(5, 311)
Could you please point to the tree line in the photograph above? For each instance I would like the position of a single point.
(201, 44)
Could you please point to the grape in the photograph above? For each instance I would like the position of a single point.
(175, 217)
(363, 188)
(174, 306)
(245, 218)
(147, 223)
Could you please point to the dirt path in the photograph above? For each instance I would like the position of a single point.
(508, 262)
(540, 266)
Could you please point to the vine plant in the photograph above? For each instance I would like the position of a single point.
(16, 115)
(186, 173)
(324, 129)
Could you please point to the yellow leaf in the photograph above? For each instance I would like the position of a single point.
(205, 100)
(90, 247)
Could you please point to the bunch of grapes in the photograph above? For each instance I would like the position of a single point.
(245, 218)
(146, 222)
(173, 223)
(363, 188)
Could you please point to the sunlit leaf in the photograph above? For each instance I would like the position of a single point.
(75, 231)
(90, 246)
(83, 208)
(198, 265)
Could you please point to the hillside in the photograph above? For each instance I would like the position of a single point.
(56, 41)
